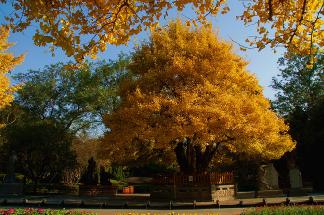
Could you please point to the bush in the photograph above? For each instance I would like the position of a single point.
(32, 211)
(118, 173)
(288, 210)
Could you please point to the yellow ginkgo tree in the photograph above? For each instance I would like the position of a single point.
(7, 62)
(191, 94)
(85, 27)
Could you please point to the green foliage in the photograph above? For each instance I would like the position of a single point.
(290, 210)
(92, 176)
(300, 99)
(53, 106)
(298, 86)
(76, 98)
(118, 173)
(43, 148)
(308, 129)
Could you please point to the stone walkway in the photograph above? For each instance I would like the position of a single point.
(133, 203)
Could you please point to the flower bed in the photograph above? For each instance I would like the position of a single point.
(285, 210)
(32, 211)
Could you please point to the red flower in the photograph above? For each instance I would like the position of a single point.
(40, 210)
(11, 211)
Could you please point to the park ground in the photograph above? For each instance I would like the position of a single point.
(138, 207)
(221, 211)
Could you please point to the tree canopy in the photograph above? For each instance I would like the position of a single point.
(77, 99)
(7, 62)
(297, 86)
(192, 94)
(300, 99)
(84, 27)
(52, 107)
(42, 147)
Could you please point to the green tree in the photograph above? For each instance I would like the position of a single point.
(9, 115)
(298, 86)
(43, 148)
(77, 99)
(53, 106)
(300, 99)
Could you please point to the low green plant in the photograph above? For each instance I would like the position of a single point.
(118, 184)
(286, 210)
(118, 173)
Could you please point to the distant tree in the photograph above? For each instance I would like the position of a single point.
(77, 99)
(298, 86)
(191, 94)
(53, 107)
(300, 99)
(312, 146)
(43, 148)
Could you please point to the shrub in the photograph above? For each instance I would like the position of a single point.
(118, 173)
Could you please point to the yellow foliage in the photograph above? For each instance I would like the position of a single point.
(7, 62)
(191, 85)
(297, 23)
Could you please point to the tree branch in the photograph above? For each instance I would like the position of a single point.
(270, 10)
(299, 21)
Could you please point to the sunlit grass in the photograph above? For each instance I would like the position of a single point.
(286, 210)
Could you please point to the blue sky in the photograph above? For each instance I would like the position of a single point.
(263, 64)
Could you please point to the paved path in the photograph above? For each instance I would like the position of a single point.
(110, 205)
(222, 211)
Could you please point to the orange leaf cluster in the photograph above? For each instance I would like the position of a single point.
(85, 27)
(69, 24)
(7, 62)
(295, 24)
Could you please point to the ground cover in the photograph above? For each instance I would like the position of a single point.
(32, 211)
(286, 210)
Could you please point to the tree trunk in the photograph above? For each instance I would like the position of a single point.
(35, 185)
(192, 158)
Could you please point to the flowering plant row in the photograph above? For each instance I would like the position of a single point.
(33, 211)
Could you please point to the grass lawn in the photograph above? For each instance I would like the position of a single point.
(285, 210)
